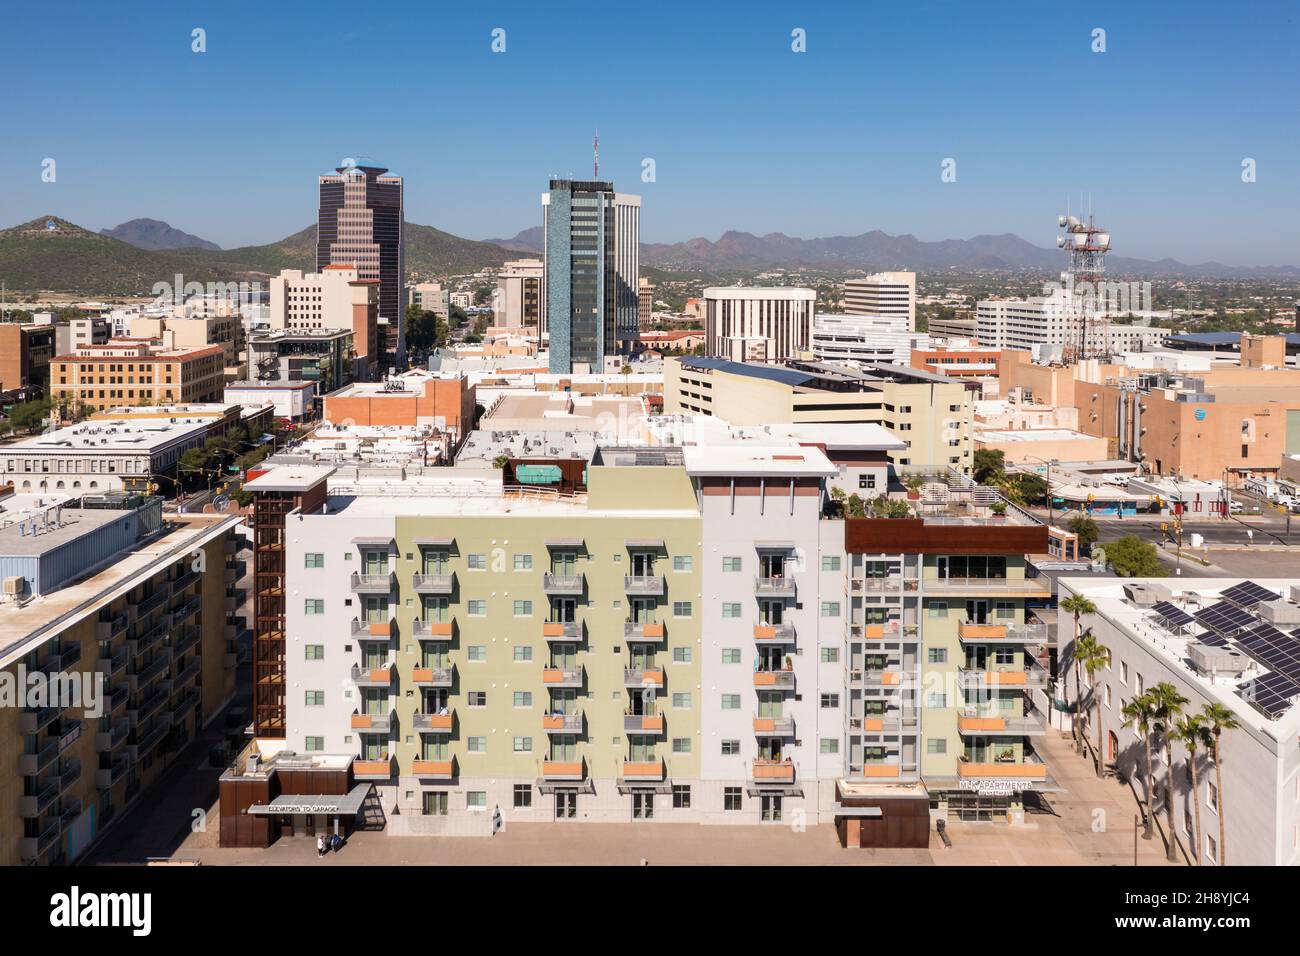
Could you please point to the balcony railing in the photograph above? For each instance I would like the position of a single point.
(644, 585)
(1032, 677)
(443, 584)
(1030, 769)
(772, 771)
(434, 769)
(33, 847)
(106, 777)
(433, 676)
(563, 769)
(777, 680)
(434, 723)
(29, 765)
(432, 630)
(774, 726)
(643, 677)
(374, 583)
(34, 721)
(381, 723)
(643, 723)
(644, 632)
(563, 584)
(381, 676)
(34, 805)
(561, 631)
(649, 770)
(379, 630)
(996, 585)
(774, 634)
(775, 585)
(377, 769)
(562, 676)
(106, 740)
(562, 723)
(999, 726)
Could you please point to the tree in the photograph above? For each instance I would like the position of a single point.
(1219, 719)
(1191, 732)
(1131, 557)
(1139, 713)
(1031, 488)
(1077, 605)
(1168, 706)
(883, 507)
(1087, 531)
(29, 416)
(1092, 655)
(990, 466)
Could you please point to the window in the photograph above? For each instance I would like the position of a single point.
(523, 745)
(523, 653)
(314, 652)
(731, 655)
(315, 698)
(681, 745)
(935, 698)
(523, 608)
(477, 653)
(313, 606)
(523, 698)
(1211, 848)
(477, 562)
(731, 702)
(523, 796)
(829, 745)
(1123, 672)
(1137, 683)
(866, 482)
(313, 559)
(681, 655)
(730, 564)
(477, 745)
(476, 607)
(731, 798)
(936, 745)
(830, 701)
(476, 799)
(683, 562)
(477, 698)
(523, 562)
(681, 796)
(731, 610)
(830, 655)
(681, 609)
(730, 748)
(937, 609)
(830, 608)
(1212, 797)
(937, 655)
(1005, 610)
(313, 743)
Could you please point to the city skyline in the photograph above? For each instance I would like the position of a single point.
(1172, 109)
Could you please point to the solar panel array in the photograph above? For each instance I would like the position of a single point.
(1172, 614)
(1272, 694)
(1225, 619)
(1249, 594)
(1277, 649)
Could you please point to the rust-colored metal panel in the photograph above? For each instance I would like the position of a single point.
(914, 536)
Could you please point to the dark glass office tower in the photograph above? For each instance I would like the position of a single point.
(360, 223)
(591, 237)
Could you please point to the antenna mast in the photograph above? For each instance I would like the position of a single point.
(595, 156)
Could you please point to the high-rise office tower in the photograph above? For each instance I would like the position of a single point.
(886, 294)
(360, 224)
(591, 237)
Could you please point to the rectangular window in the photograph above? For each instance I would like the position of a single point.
(313, 559)
(731, 655)
(681, 796)
(681, 609)
(313, 743)
(313, 606)
(937, 655)
(523, 745)
(478, 562)
(830, 655)
(731, 702)
(476, 607)
(830, 562)
(314, 652)
(476, 799)
(523, 608)
(830, 745)
(523, 562)
(731, 609)
(731, 799)
(477, 653)
(936, 745)
(522, 652)
(730, 748)
(731, 564)
(830, 608)
(523, 796)
(681, 699)
(935, 699)
(681, 745)
(937, 609)
(477, 698)
(522, 698)
(683, 562)
(477, 745)
(315, 698)
(681, 655)
(830, 701)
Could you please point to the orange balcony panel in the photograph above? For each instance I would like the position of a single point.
(639, 770)
(652, 630)
(764, 678)
(873, 724)
(571, 769)
(891, 678)
(1007, 678)
(552, 721)
(652, 723)
(439, 721)
(380, 628)
(764, 632)
(362, 721)
(880, 770)
(432, 768)
(439, 629)
(380, 675)
(764, 725)
(873, 632)
(985, 632)
(774, 770)
(371, 768)
(550, 629)
(1022, 771)
(422, 675)
(982, 723)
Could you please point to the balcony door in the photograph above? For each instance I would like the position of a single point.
(977, 612)
(643, 564)
(564, 748)
(564, 564)
(641, 658)
(374, 562)
(434, 562)
(564, 701)
(376, 701)
(564, 610)
(772, 565)
(566, 805)
(771, 612)
(769, 706)
(376, 654)
(564, 657)
(771, 806)
(433, 655)
(435, 610)
(643, 806)
(643, 611)
(376, 610)
(769, 659)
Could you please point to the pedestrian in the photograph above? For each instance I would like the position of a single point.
(336, 842)
(320, 846)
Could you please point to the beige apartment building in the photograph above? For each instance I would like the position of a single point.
(930, 413)
(138, 372)
(334, 298)
(194, 332)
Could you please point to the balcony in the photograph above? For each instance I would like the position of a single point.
(107, 740)
(774, 634)
(150, 739)
(155, 600)
(34, 721)
(374, 583)
(106, 777)
(1029, 725)
(187, 703)
(186, 610)
(152, 704)
(562, 631)
(880, 770)
(373, 723)
(33, 847)
(432, 630)
(378, 630)
(433, 676)
(29, 765)
(643, 632)
(563, 769)
(434, 723)
(889, 630)
(562, 723)
(1032, 677)
(643, 677)
(1031, 769)
(189, 671)
(646, 771)
(69, 774)
(378, 769)
(562, 677)
(107, 630)
(1032, 587)
(434, 769)
(882, 677)
(644, 585)
(34, 805)
(643, 723)
(772, 771)
(564, 585)
(381, 676)
(440, 584)
(774, 726)
(138, 679)
(775, 680)
(774, 586)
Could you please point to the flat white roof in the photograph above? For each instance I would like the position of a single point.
(114, 435)
(742, 458)
(1009, 436)
(290, 478)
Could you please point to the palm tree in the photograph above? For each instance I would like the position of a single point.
(1219, 719)
(1192, 733)
(1092, 656)
(1077, 605)
(1169, 704)
(1139, 713)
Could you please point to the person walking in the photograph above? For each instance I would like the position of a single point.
(320, 846)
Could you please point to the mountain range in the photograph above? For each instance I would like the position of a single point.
(155, 235)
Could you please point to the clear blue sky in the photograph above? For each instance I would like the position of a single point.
(746, 134)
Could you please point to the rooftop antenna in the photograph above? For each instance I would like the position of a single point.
(595, 155)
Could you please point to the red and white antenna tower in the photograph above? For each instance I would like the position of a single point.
(1087, 243)
(595, 156)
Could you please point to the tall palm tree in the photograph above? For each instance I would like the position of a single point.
(1077, 605)
(1219, 719)
(1092, 656)
(1192, 733)
(1169, 704)
(1139, 713)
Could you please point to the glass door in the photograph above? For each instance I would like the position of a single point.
(977, 612)
(771, 804)
(564, 564)
(434, 562)
(643, 806)
(566, 805)
(643, 564)
(435, 610)
(374, 562)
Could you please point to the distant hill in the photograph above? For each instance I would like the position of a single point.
(54, 254)
(529, 240)
(155, 235)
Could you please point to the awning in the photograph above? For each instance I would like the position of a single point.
(565, 786)
(774, 545)
(645, 543)
(362, 539)
(333, 804)
(858, 811)
(773, 790)
(644, 786)
(565, 542)
(434, 542)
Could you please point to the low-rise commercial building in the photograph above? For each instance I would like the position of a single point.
(26, 351)
(137, 372)
(334, 298)
(415, 398)
(325, 357)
